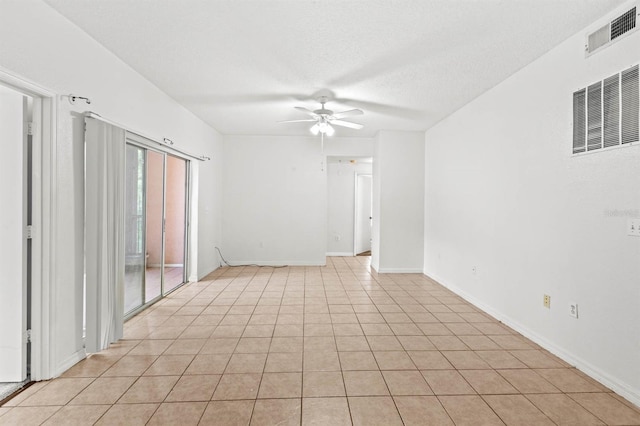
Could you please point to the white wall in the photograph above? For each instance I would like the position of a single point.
(341, 205)
(12, 309)
(275, 197)
(375, 204)
(210, 211)
(398, 202)
(505, 195)
(42, 46)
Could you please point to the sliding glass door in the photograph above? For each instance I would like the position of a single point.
(134, 262)
(153, 230)
(175, 230)
(156, 222)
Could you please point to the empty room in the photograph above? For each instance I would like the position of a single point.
(320, 212)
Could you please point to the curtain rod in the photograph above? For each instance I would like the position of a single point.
(166, 143)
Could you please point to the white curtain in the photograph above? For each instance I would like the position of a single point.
(104, 233)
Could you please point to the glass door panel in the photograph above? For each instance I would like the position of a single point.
(175, 225)
(134, 231)
(154, 206)
(156, 211)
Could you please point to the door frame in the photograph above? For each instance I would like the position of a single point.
(187, 222)
(44, 217)
(356, 210)
(139, 141)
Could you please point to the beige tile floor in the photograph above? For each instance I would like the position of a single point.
(334, 345)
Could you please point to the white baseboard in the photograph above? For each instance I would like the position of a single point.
(278, 262)
(340, 254)
(205, 274)
(72, 360)
(594, 372)
(400, 271)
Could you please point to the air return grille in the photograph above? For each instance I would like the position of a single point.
(623, 24)
(611, 111)
(607, 113)
(594, 116)
(579, 120)
(599, 38)
(608, 33)
(630, 100)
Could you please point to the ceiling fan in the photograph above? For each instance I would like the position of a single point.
(325, 119)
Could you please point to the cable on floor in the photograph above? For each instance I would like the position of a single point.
(250, 264)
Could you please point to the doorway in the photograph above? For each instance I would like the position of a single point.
(349, 192)
(156, 209)
(363, 215)
(16, 117)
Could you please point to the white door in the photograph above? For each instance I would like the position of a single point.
(363, 214)
(13, 365)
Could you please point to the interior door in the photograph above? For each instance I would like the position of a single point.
(13, 247)
(363, 214)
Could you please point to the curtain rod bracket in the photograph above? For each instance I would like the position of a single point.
(74, 98)
(167, 141)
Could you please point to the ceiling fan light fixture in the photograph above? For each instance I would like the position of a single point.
(322, 127)
(329, 130)
(325, 119)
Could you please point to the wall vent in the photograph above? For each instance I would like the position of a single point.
(607, 113)
(594, 116)
(630, 104)
(623, 24)
(579, 121)
(611, 32)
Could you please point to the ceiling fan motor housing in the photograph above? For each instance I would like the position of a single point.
(324, 112)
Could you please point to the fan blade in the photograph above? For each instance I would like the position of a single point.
(298, 121)
(385, 109)
(308, 111)
(349, 113)
(347, 124)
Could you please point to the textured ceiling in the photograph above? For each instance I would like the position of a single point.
(242, 65)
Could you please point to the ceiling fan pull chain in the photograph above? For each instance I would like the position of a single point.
(322, 152)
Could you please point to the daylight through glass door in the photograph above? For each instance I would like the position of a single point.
(156, 213)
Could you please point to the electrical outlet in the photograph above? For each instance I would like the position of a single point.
(474, 270)
(546, 301)
(633, 227)
(573, 309)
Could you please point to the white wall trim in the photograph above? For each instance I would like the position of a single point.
(340, 254)
(374, 264)
(601, 376)
(69, 362)
(277, 262)
(43, 220)
(200, 277)
(400, 271)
